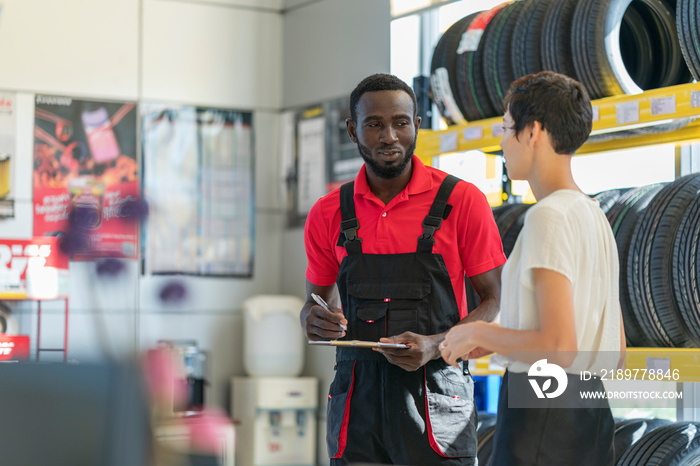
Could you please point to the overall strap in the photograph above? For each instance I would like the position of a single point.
(438, 211)
(349, 224)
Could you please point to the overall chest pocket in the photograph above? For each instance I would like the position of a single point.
(386, 308)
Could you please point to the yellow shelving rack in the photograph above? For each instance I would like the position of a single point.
(610, 115)
(676, 364)
(685, 362)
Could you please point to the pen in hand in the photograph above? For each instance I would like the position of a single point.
(320, 301)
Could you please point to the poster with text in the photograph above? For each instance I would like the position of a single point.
(318, 155)
(198, 182)
(8, 156)
(343, 159)
(85, 160)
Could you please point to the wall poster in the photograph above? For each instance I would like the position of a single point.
(198, 182)
(8, 116)
(344, 160)
(311, 159)
(85, 156)
(323, 159)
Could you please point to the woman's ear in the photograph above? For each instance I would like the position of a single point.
(535, 133)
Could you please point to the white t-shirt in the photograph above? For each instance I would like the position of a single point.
(567, 232)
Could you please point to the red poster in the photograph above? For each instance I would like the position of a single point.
(33, 269)
(14, 347)
(86, 175)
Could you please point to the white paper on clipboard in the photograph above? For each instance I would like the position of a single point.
(359, 344)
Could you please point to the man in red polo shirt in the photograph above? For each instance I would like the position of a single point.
(389, 252)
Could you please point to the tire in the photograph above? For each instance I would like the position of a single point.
(509, 220)
(682, 447)
(486, 420)
(675, 443)
(667, 66)
(686, 258)
(662, 128)
(623, 217)
(629, 431)
(514, 227)
(606, 199)
(636, 132)
(598, 57)
(498, 72)
(555, 48)
(443, 79)
(471, 87)
(636, 47)
(688, 21)
(473, 299)
(485, 444)
(584, 32)
(525, 45)
(650, 275)
(499, 214)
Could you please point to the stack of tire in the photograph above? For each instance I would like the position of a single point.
(611, 46)
(655, 442)
(484, 436)
(649, 442)
(657, 230)
(509, 220)
(660, 260)
(688, 19)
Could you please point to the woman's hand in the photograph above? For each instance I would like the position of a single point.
(459, 342)
(477, 353)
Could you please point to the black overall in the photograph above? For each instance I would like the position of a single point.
(377, 411)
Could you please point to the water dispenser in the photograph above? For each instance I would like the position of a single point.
(276, 419)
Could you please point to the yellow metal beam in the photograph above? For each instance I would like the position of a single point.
(12, 295)
(684, 362)
(675, 364)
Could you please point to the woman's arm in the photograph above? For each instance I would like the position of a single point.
(556, 335)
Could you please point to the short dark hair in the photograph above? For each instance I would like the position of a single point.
(560, 104)
(380, 82)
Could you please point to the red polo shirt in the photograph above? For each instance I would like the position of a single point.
(468, 240)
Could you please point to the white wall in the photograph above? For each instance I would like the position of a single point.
(256, 55)
(220, 54)
(70, 47)
(331, 45)
(210, 54)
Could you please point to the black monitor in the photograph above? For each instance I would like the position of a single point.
(55, 414)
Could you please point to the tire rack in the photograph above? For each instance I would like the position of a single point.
(39, 349)
(610, 115)
(685, 360)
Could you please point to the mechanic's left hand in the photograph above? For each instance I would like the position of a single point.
(421, 349)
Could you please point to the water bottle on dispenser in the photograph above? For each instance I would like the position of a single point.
(275, 408)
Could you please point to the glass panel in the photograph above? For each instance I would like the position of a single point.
(400, 7)
(405, 48)
(624, 168)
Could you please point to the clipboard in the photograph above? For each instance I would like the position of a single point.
(359, 344)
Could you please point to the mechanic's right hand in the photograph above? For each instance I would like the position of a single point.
(321, 324)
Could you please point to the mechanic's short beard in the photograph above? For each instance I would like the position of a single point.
(391, 171)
